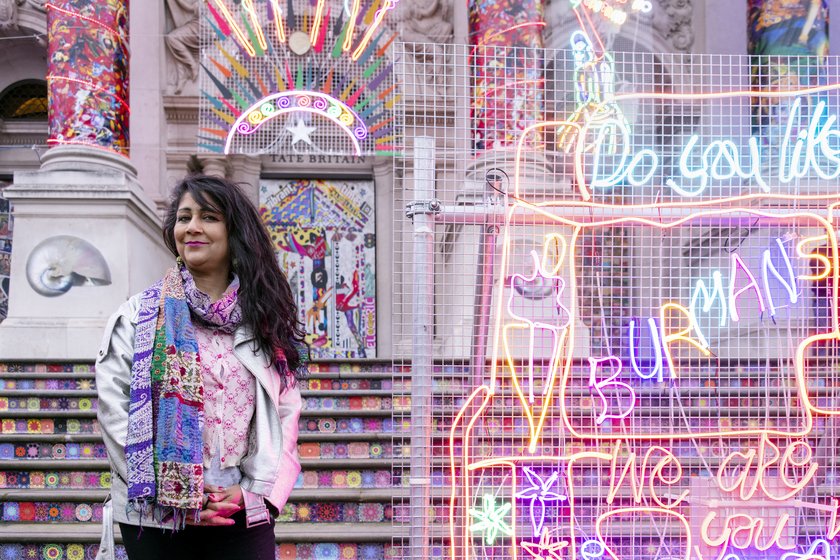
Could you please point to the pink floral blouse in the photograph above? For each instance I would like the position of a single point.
(229, 398)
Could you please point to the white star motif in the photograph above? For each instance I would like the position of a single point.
(301, 132)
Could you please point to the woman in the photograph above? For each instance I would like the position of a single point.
(198, 403)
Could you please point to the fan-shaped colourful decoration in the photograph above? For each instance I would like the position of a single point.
(302, 77)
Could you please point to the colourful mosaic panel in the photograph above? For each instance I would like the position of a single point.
(336, 512)
(355, 425)
(14, 384)
(501, 114)
(58, 480)
(73, 451)
(345, 367)
(12, 367)
(789, 43)
(50, 551)
(55, 404)
(345, 479)
(336, 551)
(48, 426)
(324, 233)
(351, 450)
(320, 404)
(347, 384)
(50, 512)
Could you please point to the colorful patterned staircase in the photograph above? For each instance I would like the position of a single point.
(354, 449)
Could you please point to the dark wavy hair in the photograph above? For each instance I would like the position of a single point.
(265, 296)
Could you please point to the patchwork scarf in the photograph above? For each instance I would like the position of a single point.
(166, 402)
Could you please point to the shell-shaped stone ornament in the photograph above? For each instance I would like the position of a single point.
(60, 262)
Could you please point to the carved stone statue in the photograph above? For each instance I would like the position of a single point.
(672, 18)
(9, 13)
(425, 26)
(40, 5)
(182, 41)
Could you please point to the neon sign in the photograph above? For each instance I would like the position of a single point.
(248, 81)
(616, 11)
(277, 104)
(545, 549)
(254, 27)
(490, 519)
(539, 494)
(609, 433)
(810, 150)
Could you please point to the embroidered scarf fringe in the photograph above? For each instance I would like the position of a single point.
(171, 517)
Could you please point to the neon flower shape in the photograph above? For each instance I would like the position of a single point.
(544, 549)
(539, 493)
(811, 553)
(490, 519)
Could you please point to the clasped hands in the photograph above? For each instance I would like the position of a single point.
(219, 505)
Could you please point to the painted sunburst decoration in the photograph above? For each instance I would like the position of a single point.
(307, 76)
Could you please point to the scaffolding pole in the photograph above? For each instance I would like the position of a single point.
(422, 350)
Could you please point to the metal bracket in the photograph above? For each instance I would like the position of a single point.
(433, 206)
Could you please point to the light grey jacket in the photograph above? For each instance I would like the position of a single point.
(269, 468)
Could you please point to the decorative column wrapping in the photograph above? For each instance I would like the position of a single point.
(507, 71)
(798, 31)
(88, 73)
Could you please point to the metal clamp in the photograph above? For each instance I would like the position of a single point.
(433, 206)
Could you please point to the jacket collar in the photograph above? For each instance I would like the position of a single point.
(256, 362)
(243, 334)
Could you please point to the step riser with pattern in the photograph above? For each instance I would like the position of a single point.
(54, 472)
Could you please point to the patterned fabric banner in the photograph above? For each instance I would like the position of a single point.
(5, 252)
(88, 73)
(324, 232)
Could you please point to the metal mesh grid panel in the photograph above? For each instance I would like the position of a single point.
(621, 319)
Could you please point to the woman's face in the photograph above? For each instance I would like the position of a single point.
(201, 237)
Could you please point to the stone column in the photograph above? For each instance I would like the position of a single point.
(88, 73)
(86, 236)
(507, 65)
(245, 170)
(507, 97)
(796, 30)
(217, 166)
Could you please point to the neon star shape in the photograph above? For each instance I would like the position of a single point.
(539, 493)
(300, 132)
(490, 519)
(811, 553)
(545, 549)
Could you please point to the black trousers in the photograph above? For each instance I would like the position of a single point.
(235, 542)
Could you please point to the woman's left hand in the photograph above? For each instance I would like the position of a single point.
(230, 495)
